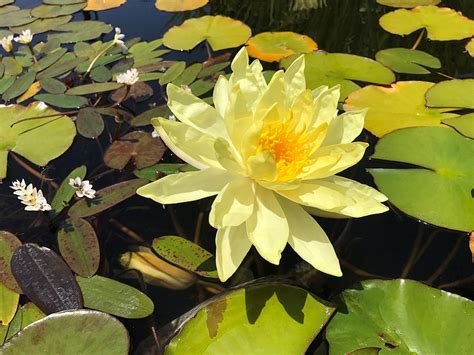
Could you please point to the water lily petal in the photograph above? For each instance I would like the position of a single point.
(194, 112)
(228, 157)
(302, 109)
(233, 205)
(295, 81)
(345, 128)
(232, 245)
(325, 105)
(262, 167)
(274, 94)
(185, 187)
(239, 65)
(309, 240)
(267, 227)
(194, 147)
(221, 95)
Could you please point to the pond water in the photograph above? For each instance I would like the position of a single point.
(371, 247)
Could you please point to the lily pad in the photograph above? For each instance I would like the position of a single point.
(179, 5)
(32, 90)
(83, 331)
(113, 297)
(89, 123)
(451, 93)
(100, 5)
(43, 24)
(80, 31)
(409, 61)
(274, 46)
(79, 246)
(53, 86)
(401, 317)
(269, 318)
(20, 85)
(441, 23)
(37, 139)
(401, 105)
(65, 192)
(439, 190)
(408, 3)
(47, 11)
(144, 118)
(152, 173)
(186, 254)
(221, 32)
(173, 72)
(49, 59)
(332, 69)
(9, 301)
(16, 18)
(463, 124)
(30, 313)
(62, 100)
(8, 243)
(93, 88)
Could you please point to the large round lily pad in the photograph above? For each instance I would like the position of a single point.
(99, 5)
(440, 190)
(409, 61)
(221, 32)
(76, 332)
(441, 23)
(37, 139)
(259, 319)
(273, 46)
(451, 93)
(179, 5)
(401, 317)
(401, 105)
(332, 69)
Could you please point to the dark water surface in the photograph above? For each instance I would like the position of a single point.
(379, 245)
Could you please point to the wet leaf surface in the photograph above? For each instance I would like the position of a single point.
(180, 5)
(9, 303)
(8, 243)
(451, 93)
(65, 192)
(89, 123)
(410, 61)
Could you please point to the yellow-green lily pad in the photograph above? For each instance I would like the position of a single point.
(408, 61)
(99, 5)
(408, 3)
(401, 105)
(463, 124)
(322, 68)
(179, 5)
(221, 32)
(441, 23)
(37, 139)
(451, 93)
(274, 46)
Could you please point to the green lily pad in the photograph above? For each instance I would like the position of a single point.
(144, 118)
(200, 87)
(65, 192)
(409, 61)
(49, 59)
(440, 190)
(16, 18)
(213, 69)
(268, 318)
(80, 31)
(15, 324)
(20, 85)
(402, 105)
(274, 46)
(43, 24)
(12, 66)
(172, 73)
(9, 301)
(151, 173)
(30, 313)
(441, 23)
(463, 124)
(332, 69)
(79, 246)
(221, 32)
(53, 86)
(451, 93)
(93, 88)
(37, 139)
(402, 317)
(113, 297)
(62, 100)
(62, 65)
(47, 11)
(8, 243)
(89, 123)
(71, 332)
(186, 254)
(188, 75)
(408, 3)
(6, 82)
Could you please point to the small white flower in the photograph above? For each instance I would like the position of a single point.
(6, 43)
(172, 117)
(25, 37)
(118, 38)
(32, 198)
(130, 77)
(186, 88)
(18, 185)
(83, 188)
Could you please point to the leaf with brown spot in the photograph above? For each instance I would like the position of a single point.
(8, 243)
(8, 304)
(215, 315)
(139, 92)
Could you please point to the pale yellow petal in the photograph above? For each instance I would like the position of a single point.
(262, 167)
(325, 105)
(295, 81)
(221, 95)
(189, 186)
(267, 227)
(309, 240)
(232, 245)
(189, 144)
(228, 157)
(345, 128)
(302, 109)
(239, 65)
(194, 112)
(274, 94)
(233, 205)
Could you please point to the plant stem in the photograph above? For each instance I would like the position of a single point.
(32, 171)
(418, 40)
(414, 252)
(361, 272)
(446, 262)
(458, 283)
(174, 219)
(197, 231)
(96, 58)
(131, 233)
(32, 52)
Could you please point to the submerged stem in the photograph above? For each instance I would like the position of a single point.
(418, 40)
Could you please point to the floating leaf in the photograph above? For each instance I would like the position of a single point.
(89, 123)
(12, 66)
(5, 83)
(30, 92)
(409, 61)
(62, 2)
(401, 105)
(16, 18)
(144, 118)
(179, 5)
(63, 101)
(101, 74)
(15, 324)
(49, 59)
(172, 72)
(258, 316)
(106, 198)
(188, 75)
(221, 33)
(45, 279)
(79, 246)
(332, 69)
(152, 173)
(463, 124)
(441, 23)
(20, 85)
(440, 190)
(213, 69)
(93, 88)
(30, 313)
(139, 92)
(200, 87)
(80, 31)
(42, 25)
(140, 147)
(274, 46)
(408, 3)
(65, 192)
(38, 139)
(53, 86)
(47, 11)
(8, 243)
(99, 5)
(76, 332)
(385, 314)
(186, 254)
(470, 47)
(6, 2)
(60, 67)
(114, 297)
(156, 271)
(9, 304)
(451, 93)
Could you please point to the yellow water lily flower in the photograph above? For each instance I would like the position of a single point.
(267, 152)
